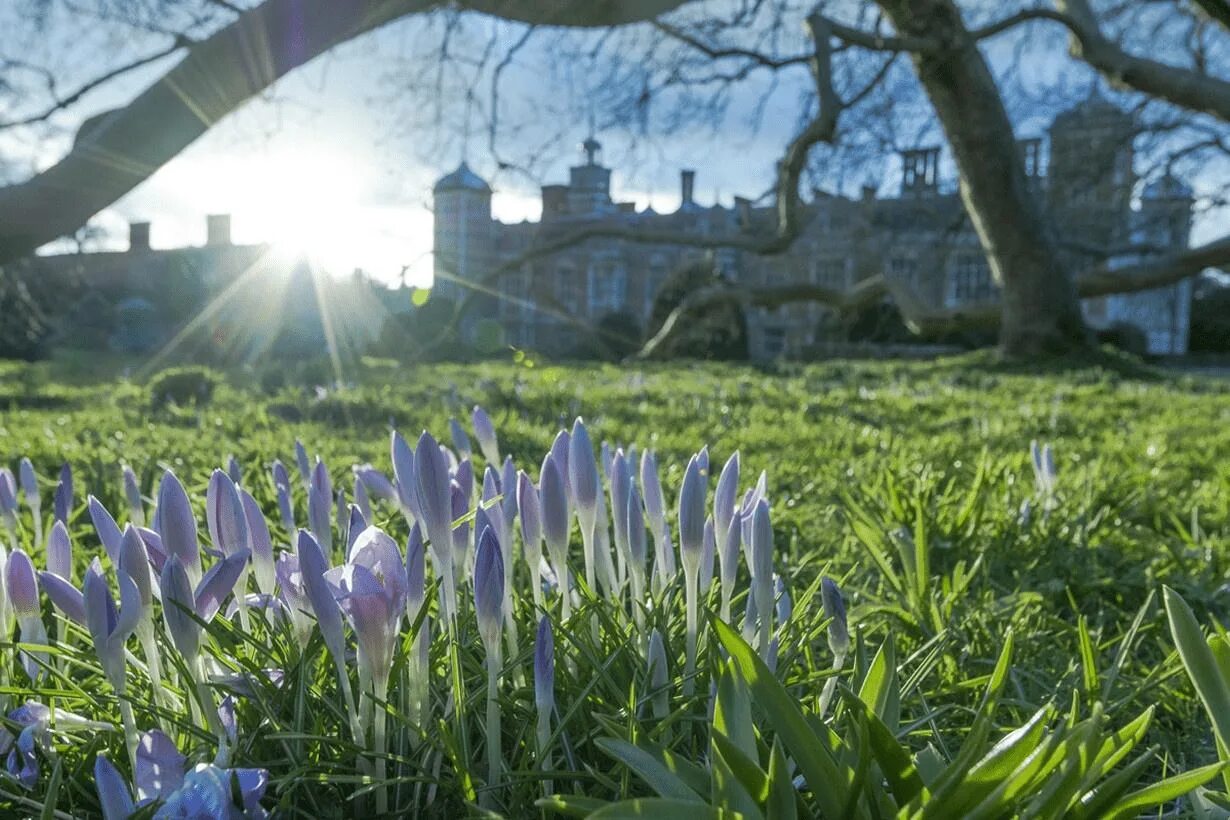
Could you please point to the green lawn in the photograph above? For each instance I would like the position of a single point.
(877, 472)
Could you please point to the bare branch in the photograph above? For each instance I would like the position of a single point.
(720, 53)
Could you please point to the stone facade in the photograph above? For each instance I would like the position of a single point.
(921, 238)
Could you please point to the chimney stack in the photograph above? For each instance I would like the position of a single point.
(687, 181)
(138, 236)
(218, 229)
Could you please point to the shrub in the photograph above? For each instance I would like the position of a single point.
(183, 385)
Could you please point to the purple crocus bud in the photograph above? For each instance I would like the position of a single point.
(159, 770)
(104, 524)
(178, 605)
(64, 493)
(508, 489)
(361, 500)
(785, 606)
(692, 515)
(726, 497)
(583, 475)
(29, 485)
(22, 584)
(8, 498)
(489, 590)
(403, 474)
(491, 508)
(620, 481)
(294, 598)
(544, 666)
(304, 464)
(320, 507)
(605, 458)
(416, 572)
(461, 441)
(224, 515)
(60, 551)
(658, 676)
(835, 608)
(484, 431)
(762, 570)
(226, 717)
(706, 556)
(233, 471)
(176, 525)
(655, 511)
(531, 529)
(132, 493)
(134, 561)
(313, 565)
(261, 542)
(464, 476)
(66, 597)
(729, 559)
(434, 494)
(286, 507)
(376, 483)
(110, 629)
(555, 519)
(113, 795)
(559, 452)
(634, 527)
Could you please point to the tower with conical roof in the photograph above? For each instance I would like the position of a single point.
(464, 247)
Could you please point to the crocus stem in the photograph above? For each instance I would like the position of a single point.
(638, 598)
(544, 752)
(241, 589)
(132, 737)
(356, 728)
(493, 727)
(379, 743)
(830, 687)
(692, 624)
(587, 543)
(197, 668)
(149, 645)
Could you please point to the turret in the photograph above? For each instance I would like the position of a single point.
(463, 232)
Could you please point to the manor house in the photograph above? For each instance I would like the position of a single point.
(921, 239)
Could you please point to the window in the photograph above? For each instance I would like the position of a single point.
(568, 286)
(829, 272)
(608, 285)
(904, 269)
(972, 280)
(774, 341)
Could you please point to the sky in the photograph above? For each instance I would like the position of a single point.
(335, 162)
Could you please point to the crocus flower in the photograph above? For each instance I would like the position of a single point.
(637, 547)
(584, 480)
(461, 441)
(464, 477)
(233, 471)
(320, 506)
(104, 524)
(531, 531)
(725, 499)
(785, 606)
(20, 752)
(544, 690)
(179, 599)
(22, 584)
(60, 551)
(559, 451)
(432, 487)
(403, 475)
(113, 793)
(370, 589)
(709, 548)
(655, 511)
(132, 494)
(620, 479)
(489, 610)
(312, 567)
(835, 609)
(29, 488)
(225, 516)
(691, 548)
(294, 596)
(63, 501)
(461, 530)
(762, 571)
(303, 463)
(176, 525)
(484, 431)
(555, 523)
(376, 483)
(261, 543)
(286, 508)
(8, 502)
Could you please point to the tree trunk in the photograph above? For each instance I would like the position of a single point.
(1041, 312)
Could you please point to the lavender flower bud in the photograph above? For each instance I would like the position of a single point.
(559, 452)
(22, 583)
(620, 481)
(320, 507)
(544, 666)
(113, 795)
(434, 494)
(224, 515)
(132, 493)
(658, 676)
(64, 493)
(706, 557)
(313, 565)
(178, 604)
(461, 441)
(261, 542)
(489, 589)
(583, 475)
(134, 561)
(233, 471)
(104, 524)
(555, 519)
(835, 608)
(29, 484)
(692, 514)
(634, 528)
(484, 431)
(304, 464)
(176, 525)
(361, 500)
(286, 507)
(60, 551)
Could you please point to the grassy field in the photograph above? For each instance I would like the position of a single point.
(909, 484)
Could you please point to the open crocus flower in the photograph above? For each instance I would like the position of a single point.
(204, 791)
(371, 590)
(20, 752)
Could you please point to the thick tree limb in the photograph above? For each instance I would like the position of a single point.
(218, 74)
(1182, 86)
